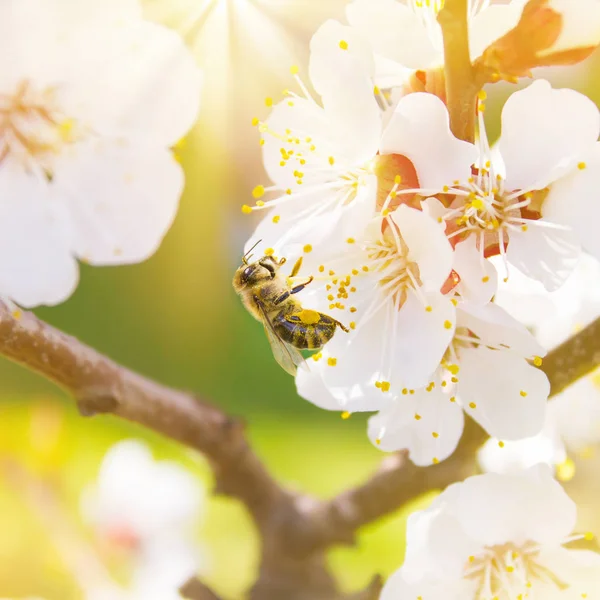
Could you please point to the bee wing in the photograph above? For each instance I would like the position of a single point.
(288, 357)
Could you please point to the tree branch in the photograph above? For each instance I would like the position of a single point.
(461, 87)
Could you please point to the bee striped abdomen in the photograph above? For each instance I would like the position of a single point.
(305, 329)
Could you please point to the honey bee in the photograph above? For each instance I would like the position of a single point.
(269, 297)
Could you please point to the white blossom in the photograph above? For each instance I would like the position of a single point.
(147, 512)
(496, 536)
(525, 199)
(91, 99)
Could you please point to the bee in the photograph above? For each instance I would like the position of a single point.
(269, 297)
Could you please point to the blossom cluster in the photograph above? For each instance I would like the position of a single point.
(398, 220)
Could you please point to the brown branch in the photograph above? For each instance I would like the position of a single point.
(295, 530)
(194, 589)
(461, 87)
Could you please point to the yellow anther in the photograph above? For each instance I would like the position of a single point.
(477, 204)
(452, 398)
(269, 101)
(565, 471)
(398, 179)
(376, 91)
(446, 189)
(321, 268)
(589, 536)
(537, 361)
(346, 415)
(482, 95)
(260, 203)
(447, 324)
(454, 369)
(276, 218)
(378, 441)
(294, 69)
(17, 314)
(581, 166)
(352, 325)
(385, 386)
(524, 228)
(255, 121)
(435, 460)
(331, 160)
(307, 248)
(501, 444)
(288, 192)
(332, 361)
(429, 308)
(454, 301)
(246, 209)
(269, 252)
(350, 240)
(365, 269)
(435, 434)
(417, 417)
(262, 142)
(523, 393)
(485, 279)
(343, 44)
(317, 356)
(353, 309)
(472, 405)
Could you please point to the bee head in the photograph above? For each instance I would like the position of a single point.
(250, 274)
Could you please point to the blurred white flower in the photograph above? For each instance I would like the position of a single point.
(531, 197)
(91, 99)
(496, 536)
(484, 372)
(146, 510)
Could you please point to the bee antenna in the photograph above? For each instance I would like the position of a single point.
(247, 256)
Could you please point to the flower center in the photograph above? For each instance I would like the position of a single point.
(389, 256)
(509, 571)
(33, 129)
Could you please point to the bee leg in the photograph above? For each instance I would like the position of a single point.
(281, 298)
(282, 261)
(300, 287)
(296, 267)
(342, 327)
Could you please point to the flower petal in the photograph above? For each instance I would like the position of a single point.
(394, 31)
(531, 506)
(398, 588)
(548, 254)
(122, 199)
(427, 245)
(426, 423)
(420, 338)
(544, 134)
(420, 130)
(495, 327)
(509, 395)
(580, 25)
(478, 278)
(336, 47)
(36, 262)
(573, 201)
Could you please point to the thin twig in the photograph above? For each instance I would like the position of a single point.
(461, 88)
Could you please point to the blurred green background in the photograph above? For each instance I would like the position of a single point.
(176, 318)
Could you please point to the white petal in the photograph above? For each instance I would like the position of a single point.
(545, 132)
(478, 278)
(311, 387)
(427, 245)
(495, 327)
(573, 201)
(493, 381)
(530, 506)
(426, 423)
(580, 569)
(398, 588)
(491, 24)
(547, 254)
(158, 81)
(36, 262)
(580, 25)
(122, 199)
(420, 130)
(328, 57)
(421, 338)
(395, 31)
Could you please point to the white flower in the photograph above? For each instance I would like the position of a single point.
(525, 198)
(496, 536)
(484, 372)
(91, 99)
(147, 510)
